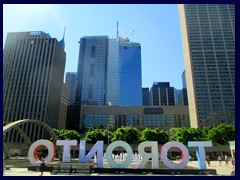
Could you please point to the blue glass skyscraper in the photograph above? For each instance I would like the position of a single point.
(109, 72)
(130, 73)
(91, 75)
(112, 72)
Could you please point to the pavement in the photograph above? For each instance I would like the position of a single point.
(222, 170)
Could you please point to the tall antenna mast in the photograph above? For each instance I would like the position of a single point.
(117, 30)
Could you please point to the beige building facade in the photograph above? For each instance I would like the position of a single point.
(208, 40)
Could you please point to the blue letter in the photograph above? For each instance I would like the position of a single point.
(200, 152)
(98, 147)
(66, 148)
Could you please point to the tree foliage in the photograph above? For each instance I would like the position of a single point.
(65, 134)
(131, 135)
(221, 134)
(184, 135)
(154, 135)
(218, 135)
(95, 134)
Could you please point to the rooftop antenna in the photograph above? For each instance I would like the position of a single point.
(117, 31)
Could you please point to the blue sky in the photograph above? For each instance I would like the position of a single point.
(156, 27)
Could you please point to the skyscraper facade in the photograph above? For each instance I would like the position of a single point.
(130, 73)
(176, 93)
(112, 92)
(70, 81)
(161, 94)
(145, 96)
(92, 70)
(63, 107)
(184, 80)
(208, 38)
(182, 98)
(109, 72)
(33, 70)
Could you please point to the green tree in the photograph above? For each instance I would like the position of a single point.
(221, 134)
(65, 134)
(131, 135)
(184, 135)
(156, 134)
(171, 133)
(95, 134)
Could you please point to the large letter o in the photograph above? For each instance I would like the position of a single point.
(32, 152)
(111, 147)
(184, 151)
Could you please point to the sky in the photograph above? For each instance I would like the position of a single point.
(155, 26)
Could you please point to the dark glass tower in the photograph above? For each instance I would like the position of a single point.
(71, 84)
(208, 38)
(161, 94)
(145, 96)
(33, 70)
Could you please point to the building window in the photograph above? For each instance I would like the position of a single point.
(91, 70)
(93, 51)
(90, 92)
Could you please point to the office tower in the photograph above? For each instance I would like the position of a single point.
(130, 73)
(182, 98)
(70, 81)
(113, 73)
(63, 107)
(208, 38)
(161, 94)
(92, 68)
(184, 80)
(145, 96)
(109, 72)
(176, 93)
(33, 70)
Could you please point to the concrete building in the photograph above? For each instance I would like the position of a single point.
(208, 39)
(33, 71)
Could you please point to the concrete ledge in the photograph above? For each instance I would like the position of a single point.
(155, 171)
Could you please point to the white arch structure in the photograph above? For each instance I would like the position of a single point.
(15, 125)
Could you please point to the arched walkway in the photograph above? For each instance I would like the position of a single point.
(15, 125)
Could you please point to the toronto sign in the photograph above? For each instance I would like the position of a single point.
(98, 149)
